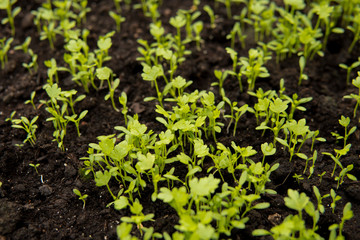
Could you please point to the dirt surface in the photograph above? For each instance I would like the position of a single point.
(43, 206)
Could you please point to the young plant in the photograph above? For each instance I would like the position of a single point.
(294, 225)
(32, 67)
(267, 150)
(118, 19)
(35, 166)
(198, 27)
(11, 14)
(344, 121)
(344, 173)
(211, 14)
(349, 69)
(237, 113)
(28, 126)
(295, 132)
(81, 196)
(334, 198)
(253, 66)
(4, 48)
(123, 102)
(339, 154)
(138, 217)
(31, 100)
(25, 46)
(347, 215)
(236, 32)
(356, 83)
(107, 74)
(355, 28)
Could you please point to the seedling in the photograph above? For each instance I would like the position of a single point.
(198, 27)
(344, 121)
(11, 14)
(31, 101)
(28, 126)
(118, 19)
(211, 14)
(298, 178)
(334, 198)
(25, 46)
(123, 102)
(81, 196)
(35, 166)
(267, 150)
(253, 66)
(339, 154)
(347, 215)
(321, 176)
(4, 48)
(107, 74)
(138, 217)
(355, 28)
(344, 173)
(349, 69)
(236, 32)
(319, 198)
(356, 83)
(32, 67)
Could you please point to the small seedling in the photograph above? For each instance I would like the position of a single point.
(118, 19)
(81, 197)
(11, 14)
(356, 83)
(211, 14)
(25, 46)
(321, 176)
(31, 100)
(4, 48)
(28, 126)
(35, 166)
(347, 215)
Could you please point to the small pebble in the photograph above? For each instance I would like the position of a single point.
(45, 190)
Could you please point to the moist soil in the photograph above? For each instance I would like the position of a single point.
(43, 206)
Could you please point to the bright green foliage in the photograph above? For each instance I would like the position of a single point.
(294, 225)
(344, 173)
(25, 46)
(253, 66)
(118, 19)
(211, 14)
(35, 166)
(82, 197)
(32, 67)
(107, 74)
(138, 216)
(334, 198)
(58, 106)
(236, 32)
(295, 132)
(31, 100)
(339, 154)
(267, 150)
(347, 215)
(4, 48)
(349, 69)
(28, 126)
(356, 83)
(11, 13)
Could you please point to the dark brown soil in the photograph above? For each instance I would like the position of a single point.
(34, 207)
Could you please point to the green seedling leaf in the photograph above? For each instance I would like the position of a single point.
(102, 178)
(121, 203)
(103, 73)
(295, 200)
(204, 186)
